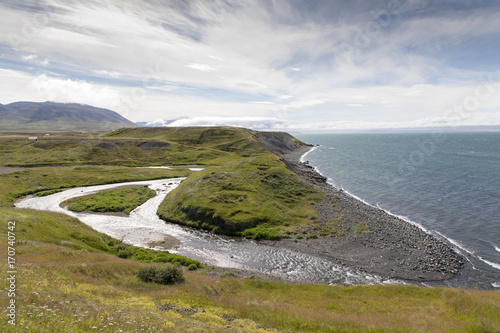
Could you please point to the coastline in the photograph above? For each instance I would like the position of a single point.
(388, 246)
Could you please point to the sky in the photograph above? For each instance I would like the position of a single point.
(266, 64)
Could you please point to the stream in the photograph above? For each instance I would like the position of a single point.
(143, 228)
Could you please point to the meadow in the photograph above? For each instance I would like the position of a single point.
(244, 190)
(122, 200)
(73, 279)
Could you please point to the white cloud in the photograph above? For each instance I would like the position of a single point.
(103, 72)
(33, 59)
(67, 90)
(202, 67)
(258, 123)
(211, 58)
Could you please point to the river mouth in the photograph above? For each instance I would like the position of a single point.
(145, 229)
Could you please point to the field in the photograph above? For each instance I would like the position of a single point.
(122, 200)
(73, 279)
(243, 191)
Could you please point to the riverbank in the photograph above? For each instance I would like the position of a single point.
(368, 238)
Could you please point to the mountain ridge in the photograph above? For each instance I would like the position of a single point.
(51, 116)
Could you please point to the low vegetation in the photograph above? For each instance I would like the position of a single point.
(252, 197)
(243, 191)
(65, 284)
(122, 200)
(74, 279)
(46, 180)
(162, 274)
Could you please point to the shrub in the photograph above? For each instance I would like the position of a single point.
(162, 274)
(124, 254)
(193, 267)
(361, 228)
(311, 236)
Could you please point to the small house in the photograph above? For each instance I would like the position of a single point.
(32, 138)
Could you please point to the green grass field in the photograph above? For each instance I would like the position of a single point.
(244, 190)
(80, 284)
(73, 279)
(122, 200)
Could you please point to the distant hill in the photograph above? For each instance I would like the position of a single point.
(52, 116)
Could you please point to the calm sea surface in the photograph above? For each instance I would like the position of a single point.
(447, 183)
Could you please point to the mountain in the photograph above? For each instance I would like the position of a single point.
(50, 116)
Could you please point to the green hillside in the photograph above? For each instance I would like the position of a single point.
(73, 279)
(244, 189)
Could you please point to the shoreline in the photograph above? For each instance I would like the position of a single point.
(388, 246)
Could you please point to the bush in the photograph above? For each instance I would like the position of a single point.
(163, 274)
(361, 228)
(125, 254)
(193, 267)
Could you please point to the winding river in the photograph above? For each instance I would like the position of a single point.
(143, 228)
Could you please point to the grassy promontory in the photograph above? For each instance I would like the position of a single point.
(249, 192)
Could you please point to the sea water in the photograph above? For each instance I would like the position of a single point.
(446, 183)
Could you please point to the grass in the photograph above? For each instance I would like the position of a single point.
(60, 229)
(252, 197)
(117, 200)
(43, 179)
(74, 279)
(67, 285)
(361, 228)
(244, 191)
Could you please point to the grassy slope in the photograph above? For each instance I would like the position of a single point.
(117, 200)
(250, 193)
(246, 192)
(33, 180)
(66, 285)
(71, 280)
(68, 149)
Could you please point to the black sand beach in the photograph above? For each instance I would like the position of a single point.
(386, 245)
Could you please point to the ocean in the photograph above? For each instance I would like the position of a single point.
(446, 183)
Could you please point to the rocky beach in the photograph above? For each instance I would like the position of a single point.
(365, 237)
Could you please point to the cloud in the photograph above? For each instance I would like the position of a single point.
(202, 67)
(33, 59)
(257, 123)
(67, 90)
(103, 72)
(296, 60)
